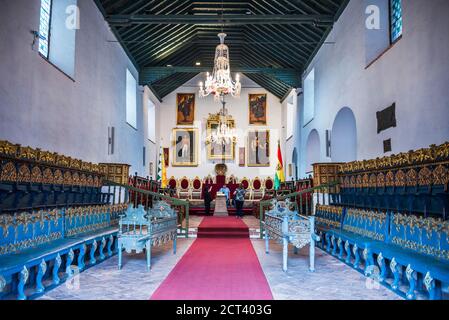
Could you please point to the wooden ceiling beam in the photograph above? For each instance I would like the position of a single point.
(227, 20)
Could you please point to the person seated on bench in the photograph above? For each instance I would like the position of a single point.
(227, 192)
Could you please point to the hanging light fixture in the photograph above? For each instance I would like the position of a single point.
(220, 82)
(224, 134)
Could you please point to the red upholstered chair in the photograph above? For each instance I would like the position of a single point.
(184, 188)
(172, 183)
(269, 186)
(232, 180)
(197, 188)
(247, 186)
(258, 190)
(209, 180)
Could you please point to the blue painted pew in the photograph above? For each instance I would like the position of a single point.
(411, 250)
(140, 229)
(421, 247)
(49, 246)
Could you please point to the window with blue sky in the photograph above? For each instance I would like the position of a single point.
(131, 99)
(395, 20)
(44, 27)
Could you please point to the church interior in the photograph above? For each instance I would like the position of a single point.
(224, 150)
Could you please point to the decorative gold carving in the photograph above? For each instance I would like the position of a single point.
(9, 172)
(36, 175)
(358, 182)
(411, 158)
(58, 178)
(28, 153)
(48, 176)
(68, 178)
(389, 179)
(372, 181)
(400, 179)
(380, 180)
(425, 177)
(8, 149)
(90, 181)
(411, 178)
(76, 179)
(352, 182)
(83, 179)
(365, 180)
(24, 174)
(440, 175)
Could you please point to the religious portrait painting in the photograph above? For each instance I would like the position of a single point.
(185, 104)
(185, 147)
(167, 156)
(258, 148)
(258, 109)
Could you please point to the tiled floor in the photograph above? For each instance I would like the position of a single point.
(332, 279)
(133, 282)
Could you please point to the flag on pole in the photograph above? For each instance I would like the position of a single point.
(161, 170)
(279, 178)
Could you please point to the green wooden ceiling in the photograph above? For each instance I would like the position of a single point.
(271, 41)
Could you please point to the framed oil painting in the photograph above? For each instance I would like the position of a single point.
(218, 150)
(258, 109)
(185, 147)
(185, 106)
(258, 149)
(167, 156)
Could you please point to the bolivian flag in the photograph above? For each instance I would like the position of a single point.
(162, 170)
(279, 178)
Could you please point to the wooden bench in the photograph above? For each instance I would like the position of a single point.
(40, 250)
(139, 229)
(288, 227)
(410, 250)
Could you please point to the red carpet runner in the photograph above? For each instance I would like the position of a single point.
(220, 265)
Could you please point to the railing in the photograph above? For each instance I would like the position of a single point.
(128, 194)
(302, 199)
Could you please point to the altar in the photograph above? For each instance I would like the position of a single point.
(221, 209)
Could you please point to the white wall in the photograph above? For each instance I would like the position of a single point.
(290, 144)
(239, 109)
(41, 107)
(414, 74)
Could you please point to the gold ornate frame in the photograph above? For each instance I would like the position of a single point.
(214, 119)
(196, 138)
(267, 131)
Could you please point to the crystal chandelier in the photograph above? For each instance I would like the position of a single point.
(224, 134)
(220, 83)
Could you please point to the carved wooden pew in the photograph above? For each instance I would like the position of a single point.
(288, 227)
(399, 251)
(139, 230)
(52, 245)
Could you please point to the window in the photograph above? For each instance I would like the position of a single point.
(58, 23)
(151, 121)
(290, 119)
(309, 97)
(131, 99)
(395, 20)
(44, 27)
